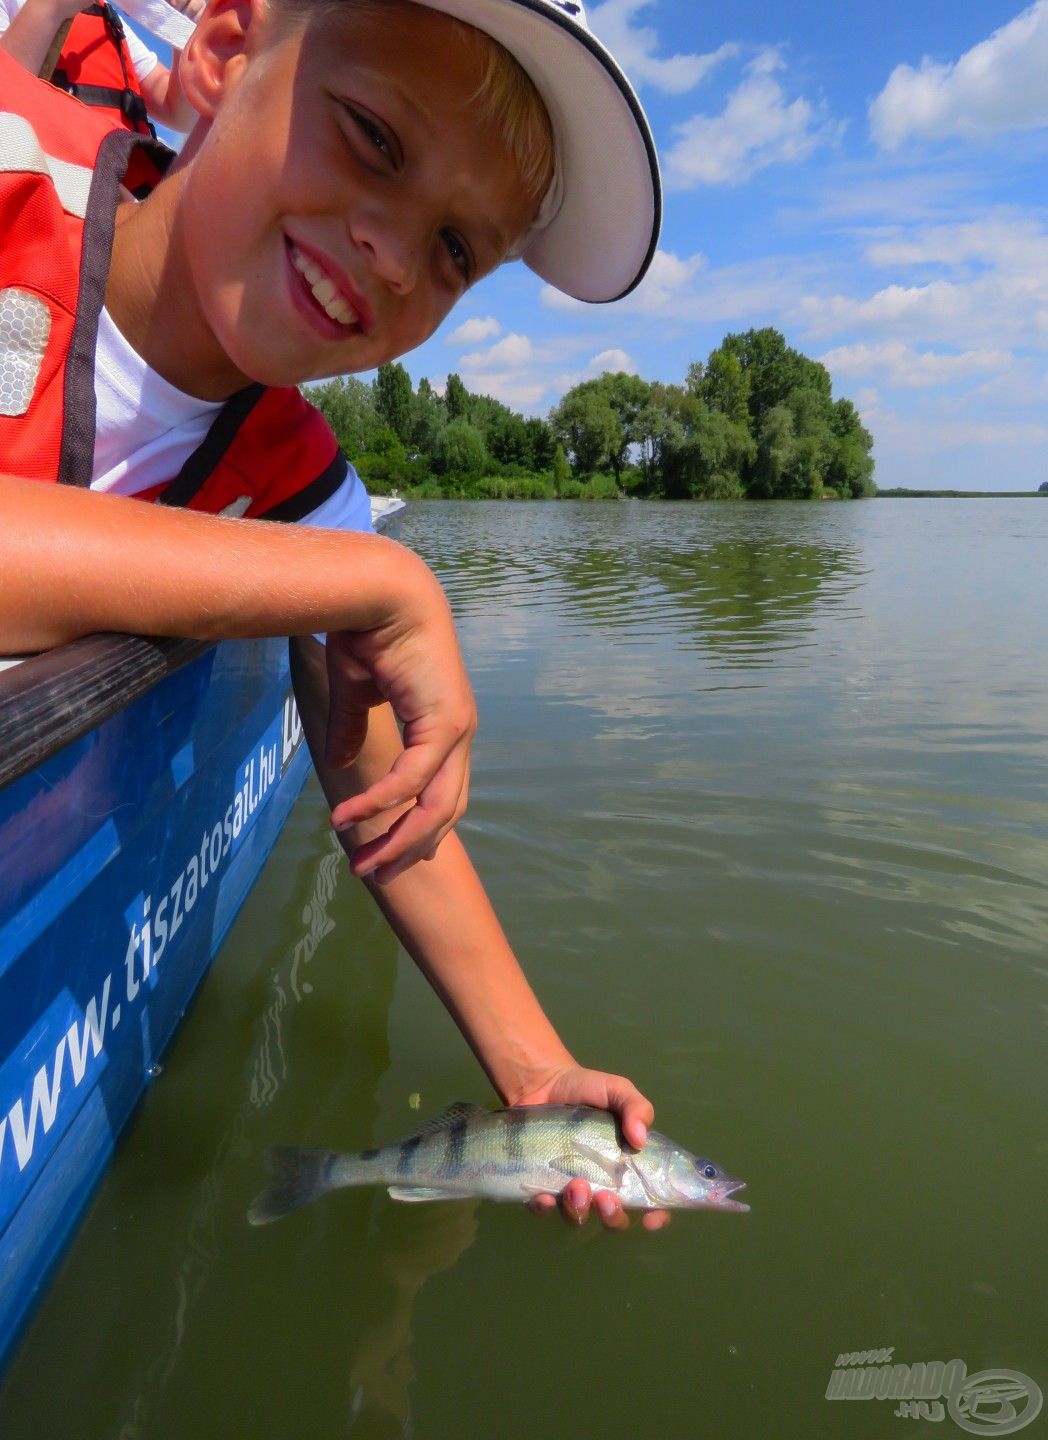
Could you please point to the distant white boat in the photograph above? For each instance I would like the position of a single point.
(384, 508)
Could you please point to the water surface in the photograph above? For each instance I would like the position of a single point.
(761, 794)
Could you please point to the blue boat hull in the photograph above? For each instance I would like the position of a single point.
(126, 857)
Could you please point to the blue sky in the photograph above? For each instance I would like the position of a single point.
(869, 178)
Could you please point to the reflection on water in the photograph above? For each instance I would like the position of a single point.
(761, 794)
(740, 586)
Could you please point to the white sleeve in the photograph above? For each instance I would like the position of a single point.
(8, 10)
(348, 509)
(143, 59)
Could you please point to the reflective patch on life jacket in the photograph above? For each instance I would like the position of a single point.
(20, 151)
(25, 324)
(240, 506)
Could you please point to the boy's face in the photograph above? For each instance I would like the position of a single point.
(345, 195)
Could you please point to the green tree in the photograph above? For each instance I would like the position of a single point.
(456, 399)
(460, 450)
(705, 456)
(725, 386)
(587, 427)
(626, 395)
(507, 439)
(561, 469)
(850, 471)
(542, 443)
(773, 370)
(504, 431)
(348, 405)
(428, 418)
(775, 442)
(394, 399)
(654, 428)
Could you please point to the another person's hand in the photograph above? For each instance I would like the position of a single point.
(414, 662)
(577, 1086)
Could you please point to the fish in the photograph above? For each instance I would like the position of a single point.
(509, 1154)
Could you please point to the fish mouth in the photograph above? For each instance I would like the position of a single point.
(722, 1199)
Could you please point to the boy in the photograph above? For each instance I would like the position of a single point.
(356, 168)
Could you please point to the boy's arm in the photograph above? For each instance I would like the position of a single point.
(162, 92)
(73, 562)
(162, 87)
(442, 916)
(29, 35)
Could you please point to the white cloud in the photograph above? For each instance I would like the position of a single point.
(634, 47)
(520, 392)
(1001, 241)
(896, 364)
(520, 372)
(998, 85)
(512, 350)
(475, 331)
(758, 127)
(613, 360)
(984, 286)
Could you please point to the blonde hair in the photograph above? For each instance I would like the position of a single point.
(506, 96)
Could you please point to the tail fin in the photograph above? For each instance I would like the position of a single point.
(299, 1176)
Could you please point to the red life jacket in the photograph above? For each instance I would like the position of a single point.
(95, 65)
(268, 452)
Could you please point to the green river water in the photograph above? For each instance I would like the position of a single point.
(761, 794)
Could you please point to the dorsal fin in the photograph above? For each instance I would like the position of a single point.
(459, 1110)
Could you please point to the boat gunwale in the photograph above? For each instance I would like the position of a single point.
(50, 700)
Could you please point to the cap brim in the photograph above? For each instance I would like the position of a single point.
(601, 241)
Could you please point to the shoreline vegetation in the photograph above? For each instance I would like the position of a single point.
(898, 492)
(755, 420)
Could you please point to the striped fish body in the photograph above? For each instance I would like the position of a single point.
(510, 1154)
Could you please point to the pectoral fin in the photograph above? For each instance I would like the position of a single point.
(568, 1165)
(415, 1194)
(613, 1169)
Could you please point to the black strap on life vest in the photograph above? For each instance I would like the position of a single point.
(214, 445)
(128, 101)
(212, 449)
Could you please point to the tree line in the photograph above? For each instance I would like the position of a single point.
(756, 419)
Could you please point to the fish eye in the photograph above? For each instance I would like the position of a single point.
(709, 1171)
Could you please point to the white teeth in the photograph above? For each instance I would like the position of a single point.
(325, 291)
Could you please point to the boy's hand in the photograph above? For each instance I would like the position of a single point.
(577, 1086)
(419, 670)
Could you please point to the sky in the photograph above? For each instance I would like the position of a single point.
(871, 179)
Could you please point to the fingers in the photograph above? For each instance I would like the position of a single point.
(577, 1200)
(417, 833)
(635, 1112)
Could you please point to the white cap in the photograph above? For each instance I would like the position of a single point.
(599, 224)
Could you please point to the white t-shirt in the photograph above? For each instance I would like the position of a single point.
(146, 429)
(143, 59)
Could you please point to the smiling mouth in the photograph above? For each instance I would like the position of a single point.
(324, 290)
